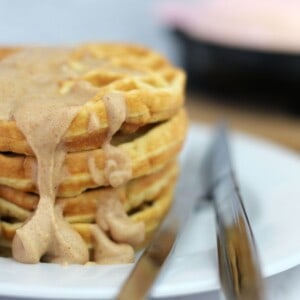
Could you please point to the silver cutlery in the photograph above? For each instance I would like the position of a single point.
(239, 267)
(145, 272)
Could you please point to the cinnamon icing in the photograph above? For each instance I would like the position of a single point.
(31, 95)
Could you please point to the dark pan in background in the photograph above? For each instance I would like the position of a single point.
(269, 79)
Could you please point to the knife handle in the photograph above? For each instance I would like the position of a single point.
(239, 270)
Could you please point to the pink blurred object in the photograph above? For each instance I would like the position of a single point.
(260, 24)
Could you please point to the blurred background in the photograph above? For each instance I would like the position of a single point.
(72, 21)
(242, 57)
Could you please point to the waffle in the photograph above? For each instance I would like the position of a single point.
(153, 91)
(146, 200)
(148, 153)
(18, 206)
(89, 138)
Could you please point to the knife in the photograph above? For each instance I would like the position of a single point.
(154, 259)
(239, 268)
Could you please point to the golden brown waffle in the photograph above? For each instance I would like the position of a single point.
(148, 153)
(150, 138)
(6, 51)
(151, 213)
(152, 88)
(18, 206)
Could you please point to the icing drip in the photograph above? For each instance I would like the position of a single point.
(108, 252)
(30, 84)
(47, 233)
(117, 169)
(111, 216)
(112, 219)
(94, 123)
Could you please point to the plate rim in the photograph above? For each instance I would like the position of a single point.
(13, 290)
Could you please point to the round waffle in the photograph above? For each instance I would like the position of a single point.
(152, 88)
(18, 206)
(88, 142)
(146, 200)
(148, 153)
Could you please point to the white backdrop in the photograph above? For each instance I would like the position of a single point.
(71, 21)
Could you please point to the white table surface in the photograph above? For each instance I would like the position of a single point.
(283, 286)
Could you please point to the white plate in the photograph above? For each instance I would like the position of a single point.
(269, 177)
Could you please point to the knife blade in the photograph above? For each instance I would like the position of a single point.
(239, 268)
(154, 259)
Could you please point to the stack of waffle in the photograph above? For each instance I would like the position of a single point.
(150, 136)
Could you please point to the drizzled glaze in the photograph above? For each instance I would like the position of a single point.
(29, 90)
(47, 233)
(111, 218)
(117, 167)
